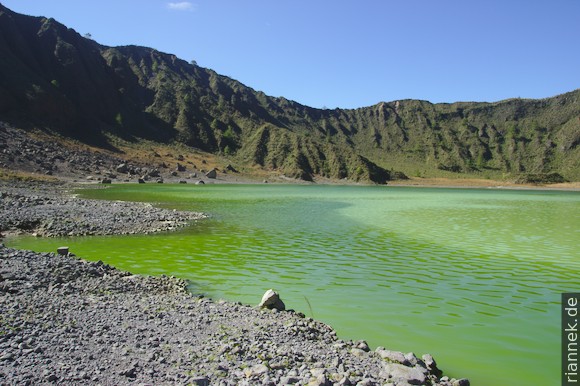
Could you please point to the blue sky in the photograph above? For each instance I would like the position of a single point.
(350, 54)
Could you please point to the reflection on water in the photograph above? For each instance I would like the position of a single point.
(472, 276)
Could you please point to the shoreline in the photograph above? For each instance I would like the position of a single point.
(474, 183)
(49, 210)
(36, 158)
(69, 321)
(87, 323)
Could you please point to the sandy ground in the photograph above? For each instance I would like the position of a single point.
(480, 183)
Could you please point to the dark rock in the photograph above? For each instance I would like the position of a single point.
(200, 182)
(141, 180)
(211, 174)
(199, 381)
(230, 168)
(362, 345)
(62, 251)
(122, 168)
(289, 380)
(106, 181)
(180, 167)
(431, 365)
(131, 372)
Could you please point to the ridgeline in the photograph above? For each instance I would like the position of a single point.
(67, 85)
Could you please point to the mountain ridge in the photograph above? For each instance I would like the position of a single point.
(52, 77)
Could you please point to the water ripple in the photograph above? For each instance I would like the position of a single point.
(461, 274)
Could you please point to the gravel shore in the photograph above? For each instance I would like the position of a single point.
(70, 322)
(48, 209)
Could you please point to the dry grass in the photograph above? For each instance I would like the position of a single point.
(13, 175)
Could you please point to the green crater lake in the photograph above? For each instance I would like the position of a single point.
(473, 277)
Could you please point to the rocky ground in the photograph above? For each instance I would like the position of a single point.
(48, 209)
(38, 154)
(68, 321)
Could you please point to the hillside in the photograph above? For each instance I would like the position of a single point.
(54, 79)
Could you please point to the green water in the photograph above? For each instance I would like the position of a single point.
(471, 276)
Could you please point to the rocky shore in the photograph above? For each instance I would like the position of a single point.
(70, 322)
(48, 209)
(67, 321)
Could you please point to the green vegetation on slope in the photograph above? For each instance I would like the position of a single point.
(51, 77)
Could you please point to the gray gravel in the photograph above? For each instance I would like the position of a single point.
(48, 209)
(71, 322)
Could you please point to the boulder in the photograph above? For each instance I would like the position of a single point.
(211, 174)
(320, 380)
(62, 251)
(271, 300)
(122, 168)
(141, 180)
(230, 168)
(402, 374)
(392, 356)
(200, 182)
(199, 381)
(362, 345)
(106, 181)
(431, 365)
(180, 167)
